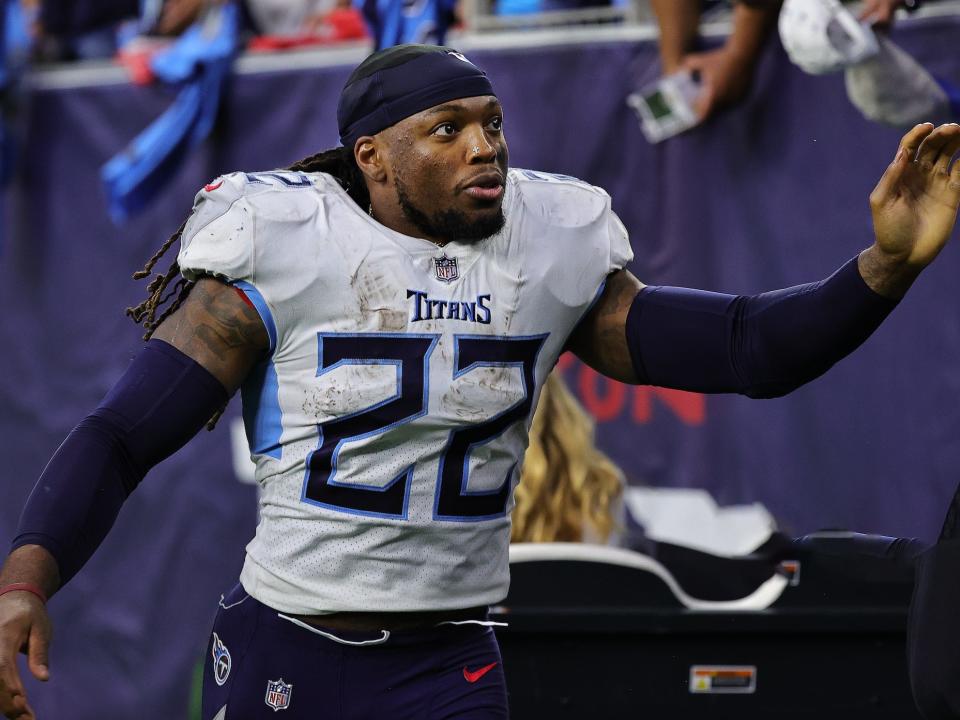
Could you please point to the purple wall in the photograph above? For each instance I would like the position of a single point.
(771, 194)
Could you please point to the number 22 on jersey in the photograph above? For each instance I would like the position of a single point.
(410, 355)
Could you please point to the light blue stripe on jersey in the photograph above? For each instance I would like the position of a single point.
(262, 417)
(262, 309)
(596, 298)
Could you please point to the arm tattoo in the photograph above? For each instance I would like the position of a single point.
(600, 339)
(224, 323)
(219, 330)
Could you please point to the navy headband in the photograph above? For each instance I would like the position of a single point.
(421, 77)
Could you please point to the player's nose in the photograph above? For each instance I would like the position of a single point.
(480, 147)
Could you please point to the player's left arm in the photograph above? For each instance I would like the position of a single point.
(600, 339)
(769, 344)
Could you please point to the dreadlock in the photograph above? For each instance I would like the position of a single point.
(157, 307)
(342, 165)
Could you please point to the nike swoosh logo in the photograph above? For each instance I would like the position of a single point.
(472, 677)
(211, 187)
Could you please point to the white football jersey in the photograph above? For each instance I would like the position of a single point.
(388, 424)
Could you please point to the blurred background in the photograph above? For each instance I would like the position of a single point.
(114, 113)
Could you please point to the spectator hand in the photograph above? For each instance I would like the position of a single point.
(879, 13)
(177, 16)
(724, 77)
(914, 205)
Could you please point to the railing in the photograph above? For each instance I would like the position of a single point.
(482, 30)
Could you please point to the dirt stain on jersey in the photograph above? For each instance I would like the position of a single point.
(321, 404)
(348, 390)
(482, 393)
(377, 297)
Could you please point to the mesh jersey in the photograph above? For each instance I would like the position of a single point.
(389, 421)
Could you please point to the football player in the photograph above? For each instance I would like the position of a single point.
(389, 310)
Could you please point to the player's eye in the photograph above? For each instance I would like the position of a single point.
(444, 129)
(496, 124)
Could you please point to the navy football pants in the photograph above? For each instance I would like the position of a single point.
(259, 664)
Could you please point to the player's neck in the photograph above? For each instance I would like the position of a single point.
(391, 215)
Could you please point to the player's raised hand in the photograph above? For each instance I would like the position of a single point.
(24, 626)
(915, 203)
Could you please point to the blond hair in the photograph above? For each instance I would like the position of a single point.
(567, 486)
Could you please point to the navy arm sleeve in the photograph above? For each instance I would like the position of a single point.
(762, 345)
(160, 402)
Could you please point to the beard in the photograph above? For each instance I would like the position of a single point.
(449, 224)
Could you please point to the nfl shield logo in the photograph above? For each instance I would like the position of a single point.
(278, 694)
(446, 268)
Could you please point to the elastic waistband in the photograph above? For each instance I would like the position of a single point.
(395, 622)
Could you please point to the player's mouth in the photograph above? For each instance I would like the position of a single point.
(486, 186)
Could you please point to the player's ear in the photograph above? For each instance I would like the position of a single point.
(370, 158)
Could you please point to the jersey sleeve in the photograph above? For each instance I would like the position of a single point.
(621, 252)
(572, 236)
(218, 237)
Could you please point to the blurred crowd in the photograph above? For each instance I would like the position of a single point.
(65, 30)
(726, 73)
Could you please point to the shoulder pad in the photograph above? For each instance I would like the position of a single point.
(213, 201)
(560, 200)
(217, 238)
(217, 197)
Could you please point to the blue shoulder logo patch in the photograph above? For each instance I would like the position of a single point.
(278, 179)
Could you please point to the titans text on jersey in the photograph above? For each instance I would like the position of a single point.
(389, 421)
(425, 307)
